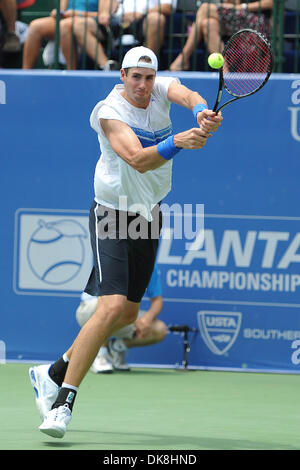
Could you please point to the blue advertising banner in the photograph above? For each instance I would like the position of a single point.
(230, 247)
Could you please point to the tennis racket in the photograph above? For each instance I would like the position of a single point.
(248, 63)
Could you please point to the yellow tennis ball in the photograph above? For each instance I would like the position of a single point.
(216, 60)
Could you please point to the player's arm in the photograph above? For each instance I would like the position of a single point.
(155, 308)
(127, 145)
(156, 305)
(143, 324)
(183, 96)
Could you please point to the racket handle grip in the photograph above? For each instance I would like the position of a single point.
(217, 101)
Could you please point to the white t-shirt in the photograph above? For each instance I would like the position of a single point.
(129, 6)
(154, 3)
(141, 6)
(117, 185)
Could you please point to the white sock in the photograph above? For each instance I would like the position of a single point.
(65, 357)
(72, 387)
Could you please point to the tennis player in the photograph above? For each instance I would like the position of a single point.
(132, 176)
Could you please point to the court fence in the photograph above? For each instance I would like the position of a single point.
(286, 35)
(172, 33)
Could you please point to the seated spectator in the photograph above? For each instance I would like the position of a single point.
(146, 330)
(44, 28)
(216, 21)
(8, 9)
(142, 19)
(93, 35)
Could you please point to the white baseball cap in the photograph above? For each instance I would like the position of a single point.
(133, 56)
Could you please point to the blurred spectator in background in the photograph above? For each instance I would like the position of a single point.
(112, 16)
(146, 330)
(143, 20)
(8, 10)
(292, 4)
(44, 28)
(214, 22)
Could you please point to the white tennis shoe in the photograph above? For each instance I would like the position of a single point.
(56, 422)
(46, 390)
(116, 350)
(102, 365)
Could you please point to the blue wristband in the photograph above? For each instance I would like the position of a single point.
(198, 108)
(167, 149)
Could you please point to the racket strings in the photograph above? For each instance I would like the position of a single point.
(247, 64)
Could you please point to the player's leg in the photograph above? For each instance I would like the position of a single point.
(142, 260)
(102, 363)
(84, 311)
(112, 312)
(94, 333)
(108, 280)
(47, 379)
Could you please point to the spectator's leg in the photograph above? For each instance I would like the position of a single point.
(38, 30)
(68, 42)
(86, 35)
(211, 34)
(9, 12)
(182, 61)
(154, 30)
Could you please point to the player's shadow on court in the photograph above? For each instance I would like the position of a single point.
(144, 441)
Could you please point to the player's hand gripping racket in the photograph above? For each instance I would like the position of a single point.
(248, 63)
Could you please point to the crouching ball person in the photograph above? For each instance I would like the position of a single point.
(146, 330)
(133, 175)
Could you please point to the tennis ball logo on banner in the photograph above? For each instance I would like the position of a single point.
(52, 252)
(55, 250)
(219, 330)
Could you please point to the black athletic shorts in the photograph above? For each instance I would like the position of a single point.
(124, 247)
